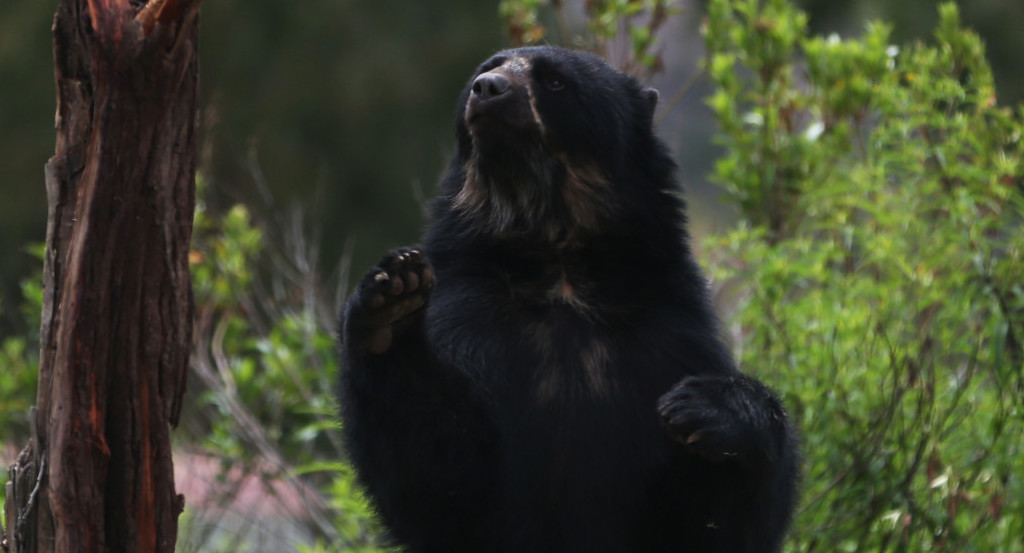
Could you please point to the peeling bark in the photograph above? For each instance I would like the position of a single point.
(117, 306)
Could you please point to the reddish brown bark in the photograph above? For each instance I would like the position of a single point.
(117, 313)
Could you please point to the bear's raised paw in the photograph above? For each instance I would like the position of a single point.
(391, 295)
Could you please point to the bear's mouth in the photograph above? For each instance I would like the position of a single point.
(510, 114)
(476, 117)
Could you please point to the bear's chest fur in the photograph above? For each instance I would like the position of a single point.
(556, 337)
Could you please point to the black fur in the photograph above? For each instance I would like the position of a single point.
(544, 374)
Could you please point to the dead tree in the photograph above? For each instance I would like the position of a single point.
(117, 311)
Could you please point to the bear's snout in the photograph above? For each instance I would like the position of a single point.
(490, 85)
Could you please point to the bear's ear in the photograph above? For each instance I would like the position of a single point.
(650, 97)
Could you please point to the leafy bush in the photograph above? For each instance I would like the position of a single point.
(878, 263)
(19, 366)
(265, 366)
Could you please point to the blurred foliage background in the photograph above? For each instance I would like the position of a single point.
(859, 188)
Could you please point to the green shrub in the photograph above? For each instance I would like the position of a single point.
(19, 365)
(879, 264)
(265, 368)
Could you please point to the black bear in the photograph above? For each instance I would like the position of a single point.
(544, 374)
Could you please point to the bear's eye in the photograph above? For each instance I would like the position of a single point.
(554, 83)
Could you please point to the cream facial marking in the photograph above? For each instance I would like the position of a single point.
(519, 68)
(536, 115)
(516, 66)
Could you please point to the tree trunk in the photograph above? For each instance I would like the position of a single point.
(97, 475)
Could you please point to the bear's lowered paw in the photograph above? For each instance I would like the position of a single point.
(720, 418)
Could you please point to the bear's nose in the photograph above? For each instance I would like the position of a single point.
(489, 85)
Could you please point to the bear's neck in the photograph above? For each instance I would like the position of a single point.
(531, 195)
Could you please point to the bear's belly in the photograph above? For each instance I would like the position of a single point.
(576, 473)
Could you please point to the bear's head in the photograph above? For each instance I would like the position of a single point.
(547, 136)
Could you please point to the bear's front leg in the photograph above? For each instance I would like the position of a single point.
(747, 471)
(416, 429)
